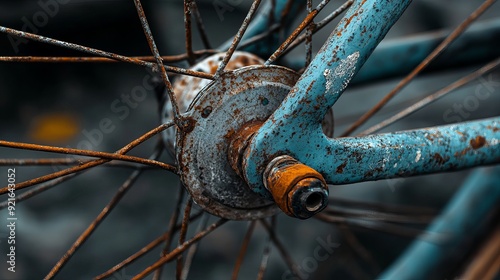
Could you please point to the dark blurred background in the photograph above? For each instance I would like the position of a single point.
(54, 104)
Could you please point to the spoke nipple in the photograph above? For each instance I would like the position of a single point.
(297, 189)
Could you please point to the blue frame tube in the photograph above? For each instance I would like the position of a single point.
(462, 221)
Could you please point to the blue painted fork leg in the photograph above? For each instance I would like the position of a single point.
(462, 221)
(347, 48)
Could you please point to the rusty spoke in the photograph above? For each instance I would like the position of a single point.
(171, 224)
(265, 260)
(89, 164)
(200, 25)
(192, 250)
(102, 215)
(179, 250)
(281, 248)
(433, 97)
(76, 47)
(92, 59)
(188, 31)
(237, 37)
(381, 227)
(309, 33)
(359, 249)
(308, 19)
(182, 237)
(243, 250)
(435, 53)
(63, 161)
(153, 244)
(259, 37)
(318, 26)
(156, 53)
(39, 189)
(102, 155)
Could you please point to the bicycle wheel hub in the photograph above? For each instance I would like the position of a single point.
(239, 97)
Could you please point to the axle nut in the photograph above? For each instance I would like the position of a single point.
(297, 189)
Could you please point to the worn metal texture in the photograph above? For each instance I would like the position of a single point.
(323, 82)
(465, 218)
(187, 87)
(297, 189)
(243, 96)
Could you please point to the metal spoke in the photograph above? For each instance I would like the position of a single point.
(146, 249)
(187, 29)
(76, 47)
(200, 25)
(179, 249)
(84, 59)
(102, 155)
(433, 97)
(237, 37)
(359, 249)
(435, 53)
(156, 53)
(309, 33)
(45, 59)
(385, 207)
(382, 227)
(102, 215)
(281, 248)
(182, 236)
(90, 164)
(371, 215)
(39, 189)
(309, 18)
(265, 260)
(192, 250)
(243, 250)
(259, 37)
(318, 26)
(62, 161)
(171, 224)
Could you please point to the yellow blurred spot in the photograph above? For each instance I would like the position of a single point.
(54, 128)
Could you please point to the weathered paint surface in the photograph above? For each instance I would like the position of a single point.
(294, 127)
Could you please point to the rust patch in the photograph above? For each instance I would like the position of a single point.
(493, 128)
(439, 159)
(477, 142)
(340, 168)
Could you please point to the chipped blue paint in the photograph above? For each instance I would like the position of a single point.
(294, 128)
(300, 115)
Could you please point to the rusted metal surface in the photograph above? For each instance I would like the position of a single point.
(187, 88)
(297, 189)
(245, 95)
